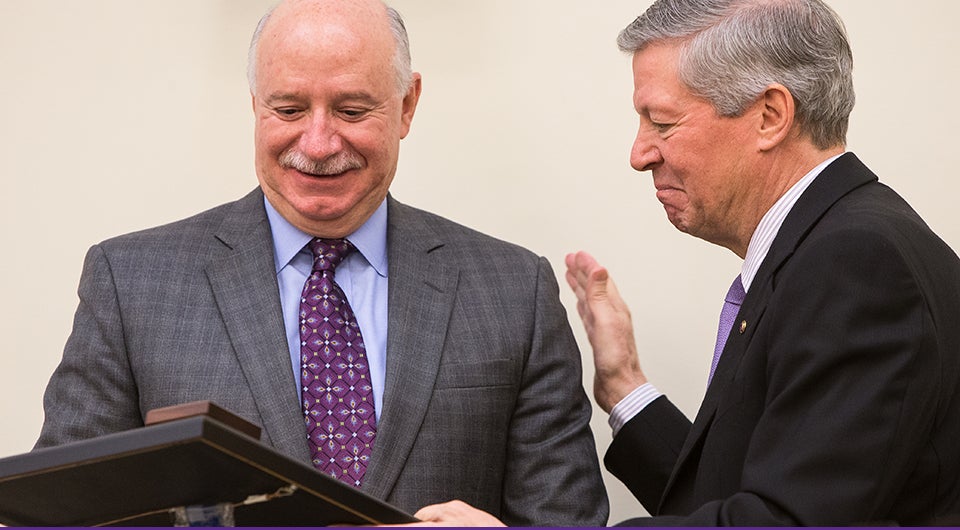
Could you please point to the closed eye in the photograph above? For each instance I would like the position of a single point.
(288, 112)
(662, 127)
(353, 113)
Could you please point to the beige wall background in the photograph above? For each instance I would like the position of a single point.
(121, 115)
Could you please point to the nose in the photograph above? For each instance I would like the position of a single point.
(321, 138)
(645, 154)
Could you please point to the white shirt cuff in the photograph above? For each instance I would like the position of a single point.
(631, 405)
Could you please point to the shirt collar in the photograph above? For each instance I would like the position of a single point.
(770, 224)
(370, 239)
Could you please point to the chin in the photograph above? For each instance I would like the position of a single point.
(324, 215)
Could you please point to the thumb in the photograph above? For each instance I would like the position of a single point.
(598, 284)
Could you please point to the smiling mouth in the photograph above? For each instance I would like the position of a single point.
(320, 175)
(661, 186)
(667, 194)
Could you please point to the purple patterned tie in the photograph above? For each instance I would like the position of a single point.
(337, 394)
(731, 306)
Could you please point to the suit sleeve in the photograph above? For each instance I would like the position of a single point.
(851, 379)
(552, 474)
(644, 452)
(92, 391)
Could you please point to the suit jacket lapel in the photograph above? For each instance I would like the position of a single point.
(422, 288)
(244, 283)
(839, 178)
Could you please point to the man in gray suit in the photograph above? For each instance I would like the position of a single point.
(475, 375)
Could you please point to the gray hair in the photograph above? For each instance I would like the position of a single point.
(732, 50)
(401, 57)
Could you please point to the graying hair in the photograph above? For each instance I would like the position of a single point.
(732, 50)
(401, 56)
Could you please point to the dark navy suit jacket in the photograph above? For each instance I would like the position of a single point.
(836, 400)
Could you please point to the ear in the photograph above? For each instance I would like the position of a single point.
(409, 104)
(777, 111)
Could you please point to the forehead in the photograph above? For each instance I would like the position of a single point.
(655, 76)
(316, 44)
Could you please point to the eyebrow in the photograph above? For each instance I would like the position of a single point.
(359, 96)
(362, 96)
(283, 97)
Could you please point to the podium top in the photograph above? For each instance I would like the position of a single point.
(135, 478)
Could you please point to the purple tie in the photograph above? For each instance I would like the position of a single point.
(337, 394)
(731, 306)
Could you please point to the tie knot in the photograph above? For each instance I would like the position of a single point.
(736, 294)
(328, 253)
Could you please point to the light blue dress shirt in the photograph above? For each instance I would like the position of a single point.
(362, 276)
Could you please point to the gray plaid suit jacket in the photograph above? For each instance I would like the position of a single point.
(483, 398)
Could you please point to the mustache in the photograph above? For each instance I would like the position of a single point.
(333, 165)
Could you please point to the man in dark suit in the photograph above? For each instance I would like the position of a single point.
(835, 399)
(461, 372)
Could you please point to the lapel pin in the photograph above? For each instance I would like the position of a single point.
(743, 326)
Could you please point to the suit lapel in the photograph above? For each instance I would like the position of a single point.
(837, 179)
(244, 284)
(422, 288)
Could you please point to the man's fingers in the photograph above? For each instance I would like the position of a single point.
(597, 283)
(584, 275)
(456, 513)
